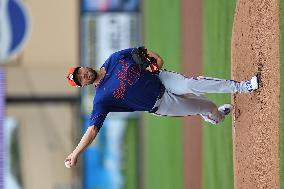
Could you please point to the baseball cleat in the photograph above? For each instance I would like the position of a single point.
(225, 109)
(211, 119)
(249, 85)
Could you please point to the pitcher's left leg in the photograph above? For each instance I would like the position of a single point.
(179, 84)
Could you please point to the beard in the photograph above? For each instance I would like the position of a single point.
(92, 75)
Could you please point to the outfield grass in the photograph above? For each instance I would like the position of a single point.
(217, 140)
(163, 138)
(281, 93)
(130, 151)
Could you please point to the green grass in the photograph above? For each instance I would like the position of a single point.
(281, 93)
(163, 138)
(130, 168)
(217, 140)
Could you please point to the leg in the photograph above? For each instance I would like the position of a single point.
(189, 104)
(179, 84)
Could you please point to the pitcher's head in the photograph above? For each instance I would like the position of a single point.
(81, 76)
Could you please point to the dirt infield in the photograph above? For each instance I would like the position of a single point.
(192, 66)
(255, 49)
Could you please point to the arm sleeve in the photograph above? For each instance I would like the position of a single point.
(98, 116)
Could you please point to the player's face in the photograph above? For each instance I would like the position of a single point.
(86, 76)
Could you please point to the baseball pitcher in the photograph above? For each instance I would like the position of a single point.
(133, 80)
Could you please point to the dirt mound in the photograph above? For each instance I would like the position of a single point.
(255, 50)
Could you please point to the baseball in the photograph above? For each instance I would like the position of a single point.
(67, 164)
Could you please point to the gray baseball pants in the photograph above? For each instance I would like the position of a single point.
(183, 96)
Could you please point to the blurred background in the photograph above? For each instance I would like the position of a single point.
(42, 119)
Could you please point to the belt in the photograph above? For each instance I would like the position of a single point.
(162, 91)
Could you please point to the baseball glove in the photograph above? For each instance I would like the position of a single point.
(143, 60)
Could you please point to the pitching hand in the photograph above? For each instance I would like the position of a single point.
(71, 160)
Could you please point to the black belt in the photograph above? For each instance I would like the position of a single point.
(162, 91)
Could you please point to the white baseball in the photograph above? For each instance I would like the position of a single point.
(67, 164)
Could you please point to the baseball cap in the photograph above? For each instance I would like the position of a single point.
(71, 77)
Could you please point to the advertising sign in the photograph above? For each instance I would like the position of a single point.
(110, 5)
(105, 33)
(14, 28)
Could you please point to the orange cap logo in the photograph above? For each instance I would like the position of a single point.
(70, 77)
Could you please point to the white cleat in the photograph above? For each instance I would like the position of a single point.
(249, 85)
(225, 109)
